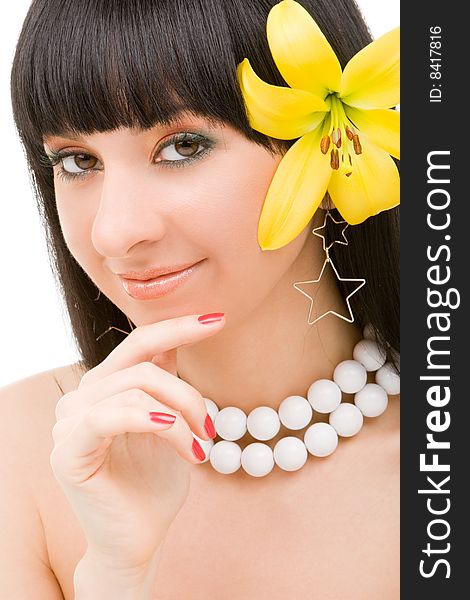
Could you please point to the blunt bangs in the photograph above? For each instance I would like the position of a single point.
(98, 65)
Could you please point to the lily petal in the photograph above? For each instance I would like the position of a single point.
(381, 126)
(373, 186)
(301, 52)
(297, 188)
(279, 112)
(371, 79)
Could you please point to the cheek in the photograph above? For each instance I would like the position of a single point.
(76, 221)
(235, 193)
(233, 196)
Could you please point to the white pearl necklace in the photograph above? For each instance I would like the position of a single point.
(295, 412)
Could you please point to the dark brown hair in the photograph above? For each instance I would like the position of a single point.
(97, 65)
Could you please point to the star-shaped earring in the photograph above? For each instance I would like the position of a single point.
(112, 326)
(360, 281)
(323, 236)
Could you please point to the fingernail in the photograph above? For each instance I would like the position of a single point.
(161, 417)
(209, 427)
(197, 450)
(210, 318)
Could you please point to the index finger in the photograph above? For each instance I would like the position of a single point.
(146, 341)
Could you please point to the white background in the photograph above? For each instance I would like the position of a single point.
(34, 332)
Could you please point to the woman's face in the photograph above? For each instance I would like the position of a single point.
(132, 200)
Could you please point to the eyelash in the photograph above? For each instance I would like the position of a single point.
(55, 157)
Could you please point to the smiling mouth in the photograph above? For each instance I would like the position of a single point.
(153, 273)
(155, 287)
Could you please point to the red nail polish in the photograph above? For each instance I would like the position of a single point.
(197, 450)
(161, 417)
(209, 427)
(210, 318)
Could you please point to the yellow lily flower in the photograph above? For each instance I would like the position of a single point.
(344, 120)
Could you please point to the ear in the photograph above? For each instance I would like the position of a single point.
(327, 202)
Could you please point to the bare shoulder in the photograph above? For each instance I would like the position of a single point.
(40, 390)
(29, 403)
(28, 416)
(68, 377)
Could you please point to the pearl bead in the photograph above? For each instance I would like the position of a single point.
(389, 379)
(290, 453)
(372, 400)
(257, 459)
(350, 376)
(368, 353)
(321, 439)
(211, 408)
(295, 412)
(347, 420)
(324, 395)
(230, 423)
(225, 457)
(263, 423)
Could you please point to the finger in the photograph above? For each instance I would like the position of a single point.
(95, 430)
(152, 379)
(147, 341)
(64, 426)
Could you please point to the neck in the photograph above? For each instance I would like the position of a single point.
(271, 352)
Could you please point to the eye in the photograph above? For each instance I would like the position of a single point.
(78, 163)
(180, 150)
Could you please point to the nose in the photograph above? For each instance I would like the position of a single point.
(128, 212)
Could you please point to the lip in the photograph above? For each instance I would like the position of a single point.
(149, 287)
(153, 273)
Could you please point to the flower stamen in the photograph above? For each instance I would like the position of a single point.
(357, 144)
(339, 137)
(336, 137)
(334, 159)
(325, 144)
(349, 132)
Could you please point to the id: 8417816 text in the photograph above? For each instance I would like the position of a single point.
(435, 63)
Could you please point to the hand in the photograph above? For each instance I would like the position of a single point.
(126, 477)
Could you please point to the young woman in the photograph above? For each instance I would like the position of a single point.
(159, 144)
